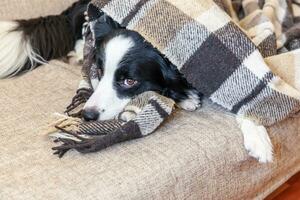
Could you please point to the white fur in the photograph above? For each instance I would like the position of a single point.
(15, 50)
(79, 50)
(256, 140)
(192, 103)
(127, 116)
(105, 98)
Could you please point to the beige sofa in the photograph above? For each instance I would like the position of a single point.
(196, 155)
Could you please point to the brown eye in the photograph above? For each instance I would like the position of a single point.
(129, 82)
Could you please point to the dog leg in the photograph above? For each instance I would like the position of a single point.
(256, 140)
(79, 50)
(192, 102)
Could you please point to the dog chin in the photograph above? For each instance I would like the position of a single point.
(106, 117)
(109, 115)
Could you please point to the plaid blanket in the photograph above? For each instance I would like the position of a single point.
(219, 58)
(141, 117)
(219, 46)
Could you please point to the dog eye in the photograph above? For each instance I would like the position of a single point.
(129, 82)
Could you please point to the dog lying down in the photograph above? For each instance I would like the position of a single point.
(125, 65)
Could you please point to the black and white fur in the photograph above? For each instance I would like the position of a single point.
(131, 66)
(124, 55)
(26, 44)
(127, 65)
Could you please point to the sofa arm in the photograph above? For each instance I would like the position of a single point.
(24, 9)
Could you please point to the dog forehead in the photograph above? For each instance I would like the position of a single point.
(116, 48)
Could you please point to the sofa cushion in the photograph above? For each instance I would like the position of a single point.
(192, 156)
(23, 9)
(197, 155)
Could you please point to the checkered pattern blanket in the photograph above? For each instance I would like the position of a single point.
(219, 58)
(219, 46)
(141, 117)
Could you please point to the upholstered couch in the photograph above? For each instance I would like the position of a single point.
(197, 155)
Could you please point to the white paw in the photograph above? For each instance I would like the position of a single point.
(126, 116)
(79, 50)
(192, 103)
(256, 140)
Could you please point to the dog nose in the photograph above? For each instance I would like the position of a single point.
(90, 114)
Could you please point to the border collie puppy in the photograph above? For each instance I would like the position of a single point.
(26, 44)
(129, 66)
(126, 65)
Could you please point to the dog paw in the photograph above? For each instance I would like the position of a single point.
(256, 140)
(126, 116)
(192, 103)
(79, 50)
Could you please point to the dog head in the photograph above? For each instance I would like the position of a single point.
(128, 66)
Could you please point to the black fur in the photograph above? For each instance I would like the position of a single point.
(54, 36)
(142, 63)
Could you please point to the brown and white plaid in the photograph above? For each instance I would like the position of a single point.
(141, 117)
(214, 53)
(220, 48)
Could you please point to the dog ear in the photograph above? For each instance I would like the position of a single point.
(176, 86)
(103, 26)
(93, 12)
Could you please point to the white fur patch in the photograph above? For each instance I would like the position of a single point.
(192, 103)
(256, 140)
(79, 50)
(105, 98)
(127, 116)
(15, 50)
